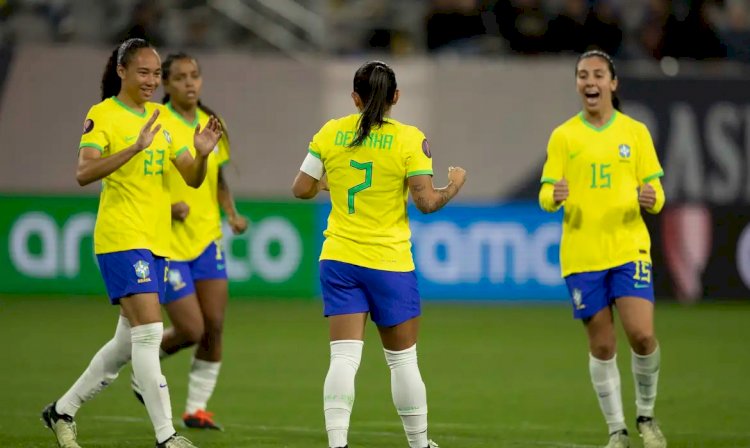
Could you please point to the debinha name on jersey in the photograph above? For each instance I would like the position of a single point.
(375, 140)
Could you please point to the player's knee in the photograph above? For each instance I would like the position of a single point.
(214, 327)
(213, 333)
(603, 350)
(643, 343)
(193, 333)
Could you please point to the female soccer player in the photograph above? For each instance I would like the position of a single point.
(366, 263)
(602, 167)
(197, 291)
(124, 145)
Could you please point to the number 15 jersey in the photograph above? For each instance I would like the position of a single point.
(603, 227)
(368, 225)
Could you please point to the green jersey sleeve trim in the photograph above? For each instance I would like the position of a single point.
(223, 162)
(548, 180)
(91, 145)
(315, 154)
(653, 176)
(180, 151)
(419, 173)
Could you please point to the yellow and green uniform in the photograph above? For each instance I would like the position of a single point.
(604, 168)
(203, 223)
(368, 225)
(134, 206)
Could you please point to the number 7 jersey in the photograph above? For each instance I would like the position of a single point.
(368, 225)
(134, 205)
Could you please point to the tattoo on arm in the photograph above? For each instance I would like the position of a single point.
(445, 194)
(429, 202)
(422, 203)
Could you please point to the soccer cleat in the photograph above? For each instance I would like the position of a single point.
(136, 389)
(650, 433)
(62, 425)
(619, 439)
(200, 419)
(176, 442)
(431, 444)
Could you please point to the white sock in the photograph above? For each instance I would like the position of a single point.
(202, 380)
(338, 389)
(646, 376)
(147, 370)
(409, 394)
(102, 370)
(606, 380)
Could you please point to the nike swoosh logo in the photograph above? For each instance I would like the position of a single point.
(129, 139)
(574, 155)
(162, 386)
(220, 266)
(640, 285)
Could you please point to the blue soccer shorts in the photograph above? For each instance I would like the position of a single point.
(390, 297)
(590, 292)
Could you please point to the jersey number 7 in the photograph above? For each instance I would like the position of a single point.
(367, 167)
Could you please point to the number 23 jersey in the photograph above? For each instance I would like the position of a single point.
(134, 205)
(368, 225)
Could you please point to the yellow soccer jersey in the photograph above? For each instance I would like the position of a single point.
(203, 223)
(368, 225)
(134, 207)
(604, 168)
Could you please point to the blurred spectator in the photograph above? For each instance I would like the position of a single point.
(735, 30)
(524, 24)
(57, 14)
(144, 23)
(4, 11)
(453, 23)
(652, 29)
(651, 33)
(567, 32)
(695, 36)
(603, 27)
(197, 23)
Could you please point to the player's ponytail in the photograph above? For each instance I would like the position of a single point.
(110, 80)
(375, 83)
(616, 102)
(595, 52)
(121, 55)
(212, 113)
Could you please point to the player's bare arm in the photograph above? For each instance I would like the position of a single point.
(237, 222)
(305, 186)
(429, 199)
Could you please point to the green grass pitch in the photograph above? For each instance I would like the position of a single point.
(496, 375)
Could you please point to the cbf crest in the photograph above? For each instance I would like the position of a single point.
(175, 279)
(142, 271)
(578, 299)
(624, 151)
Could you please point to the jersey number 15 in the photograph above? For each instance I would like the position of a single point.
(604, 177)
